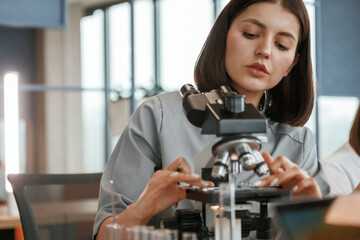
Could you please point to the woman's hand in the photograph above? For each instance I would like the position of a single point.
(163, 190)
(289, 176)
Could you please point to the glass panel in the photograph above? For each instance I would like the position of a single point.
(309, 1)
(119, 112)
(184, 26)
(2, 143)
(67, 134)
(336, 115)
(92, 117)
(120, 48)
(311, 11)
(223, 3)
(144, 44)
(311, 123)
(120, 62)
(92, 50)
(3, 193)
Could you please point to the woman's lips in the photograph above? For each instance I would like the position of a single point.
(259, 66)
(256, 72)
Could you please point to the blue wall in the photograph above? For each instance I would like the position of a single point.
(17, 52)
(338, 35)
(33, 13)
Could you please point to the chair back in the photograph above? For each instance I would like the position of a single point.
(56, 206)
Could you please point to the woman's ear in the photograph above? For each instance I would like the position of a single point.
(296, 59)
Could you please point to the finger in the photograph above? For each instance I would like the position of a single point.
(201, 184)
(268, 181)
(210, 184)
(192, 179)
(307, 186)
(280, 164)
(267, 158)
(180, 165)
(163, 178)
(287, 179)
(291, 177)
(273, 166)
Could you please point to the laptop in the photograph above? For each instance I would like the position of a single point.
(307, 220)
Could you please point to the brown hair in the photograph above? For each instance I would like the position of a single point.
(354, 138)
(292, 100)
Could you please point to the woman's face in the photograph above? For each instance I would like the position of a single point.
(261, 48)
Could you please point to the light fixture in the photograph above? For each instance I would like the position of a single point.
(11, 124)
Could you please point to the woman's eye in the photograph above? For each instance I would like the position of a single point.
(282, 47)
(250, 35)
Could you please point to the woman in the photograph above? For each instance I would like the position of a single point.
(343, 166)
(260, 49)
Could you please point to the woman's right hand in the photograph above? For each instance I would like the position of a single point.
(163, 191)
(290, 176)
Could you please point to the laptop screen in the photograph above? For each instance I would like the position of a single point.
(306, 220)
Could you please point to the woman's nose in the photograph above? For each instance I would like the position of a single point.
(263, 49)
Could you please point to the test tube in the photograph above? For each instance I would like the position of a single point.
(189, 236)
(114, 231)
(227, 211)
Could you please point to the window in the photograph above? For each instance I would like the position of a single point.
(120, 48)
(144, 45)
(184, 26)
(93, 102)
(336, 116)
(168, 37)
(160, 47)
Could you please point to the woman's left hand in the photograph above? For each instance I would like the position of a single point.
(289, 176)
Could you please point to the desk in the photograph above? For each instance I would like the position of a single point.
(8, 220)
(50, 213)
(10, 224)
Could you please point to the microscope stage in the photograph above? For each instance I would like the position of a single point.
(266, 194)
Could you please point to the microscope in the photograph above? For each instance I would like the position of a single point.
(240, 130)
